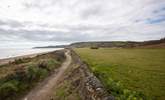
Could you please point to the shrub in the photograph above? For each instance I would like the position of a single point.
(37, 72)
(42, 73)
(51, 64)
(32, 72)
(42, 64)
(8, 89)
(24, 78)
(21, 60)
(18, 61)
(20, 74)
(94, 47)
(48, 64)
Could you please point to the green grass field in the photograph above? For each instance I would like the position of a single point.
(129, 71)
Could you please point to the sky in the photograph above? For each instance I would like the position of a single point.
(27, 23)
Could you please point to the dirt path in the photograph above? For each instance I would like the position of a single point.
(44, 90)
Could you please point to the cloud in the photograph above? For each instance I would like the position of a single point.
(11, 23)
(81, 20)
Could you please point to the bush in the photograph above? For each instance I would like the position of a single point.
(37, 72)
(21, 60)
(94, 47)
(8, 89)
(20, 74)
(32, 72)
(42, 73)
(42, 64)
(18, 61)
(24, 78)
(51, 64)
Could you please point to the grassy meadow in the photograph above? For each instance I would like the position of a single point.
(129, 74)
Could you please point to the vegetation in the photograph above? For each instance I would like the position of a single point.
(25, 74)
(129, 74)
(94, 47)
(21, 60)
(67, 89)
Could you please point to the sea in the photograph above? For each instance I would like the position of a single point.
(14, 52)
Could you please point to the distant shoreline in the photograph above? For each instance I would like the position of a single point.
(11, 59)
(8, 53)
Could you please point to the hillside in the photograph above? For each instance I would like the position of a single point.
(128, 44)
(57, 46)
(108, 44)
(153, 44)
(114, 44)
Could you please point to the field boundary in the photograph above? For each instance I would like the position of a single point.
(90, 86)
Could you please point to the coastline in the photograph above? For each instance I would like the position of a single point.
(10, 59)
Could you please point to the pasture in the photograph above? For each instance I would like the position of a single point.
(128, 73)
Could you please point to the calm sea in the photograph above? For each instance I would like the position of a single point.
(14, 52)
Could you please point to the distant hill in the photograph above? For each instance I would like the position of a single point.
(57, 46)
(153, 44)
(120, 44)
(114, 44)
(109, 44)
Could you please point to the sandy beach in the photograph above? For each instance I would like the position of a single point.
(7, 60)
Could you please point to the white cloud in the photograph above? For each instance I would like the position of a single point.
(81, 20)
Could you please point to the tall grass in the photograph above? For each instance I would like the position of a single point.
(24, 78)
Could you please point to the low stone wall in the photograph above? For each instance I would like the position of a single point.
(90, 88)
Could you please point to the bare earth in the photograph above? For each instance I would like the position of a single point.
(45, 89)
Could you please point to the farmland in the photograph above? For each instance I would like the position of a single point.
(128, 73)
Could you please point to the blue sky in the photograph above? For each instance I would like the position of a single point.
(51, 22)
(155, 21)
